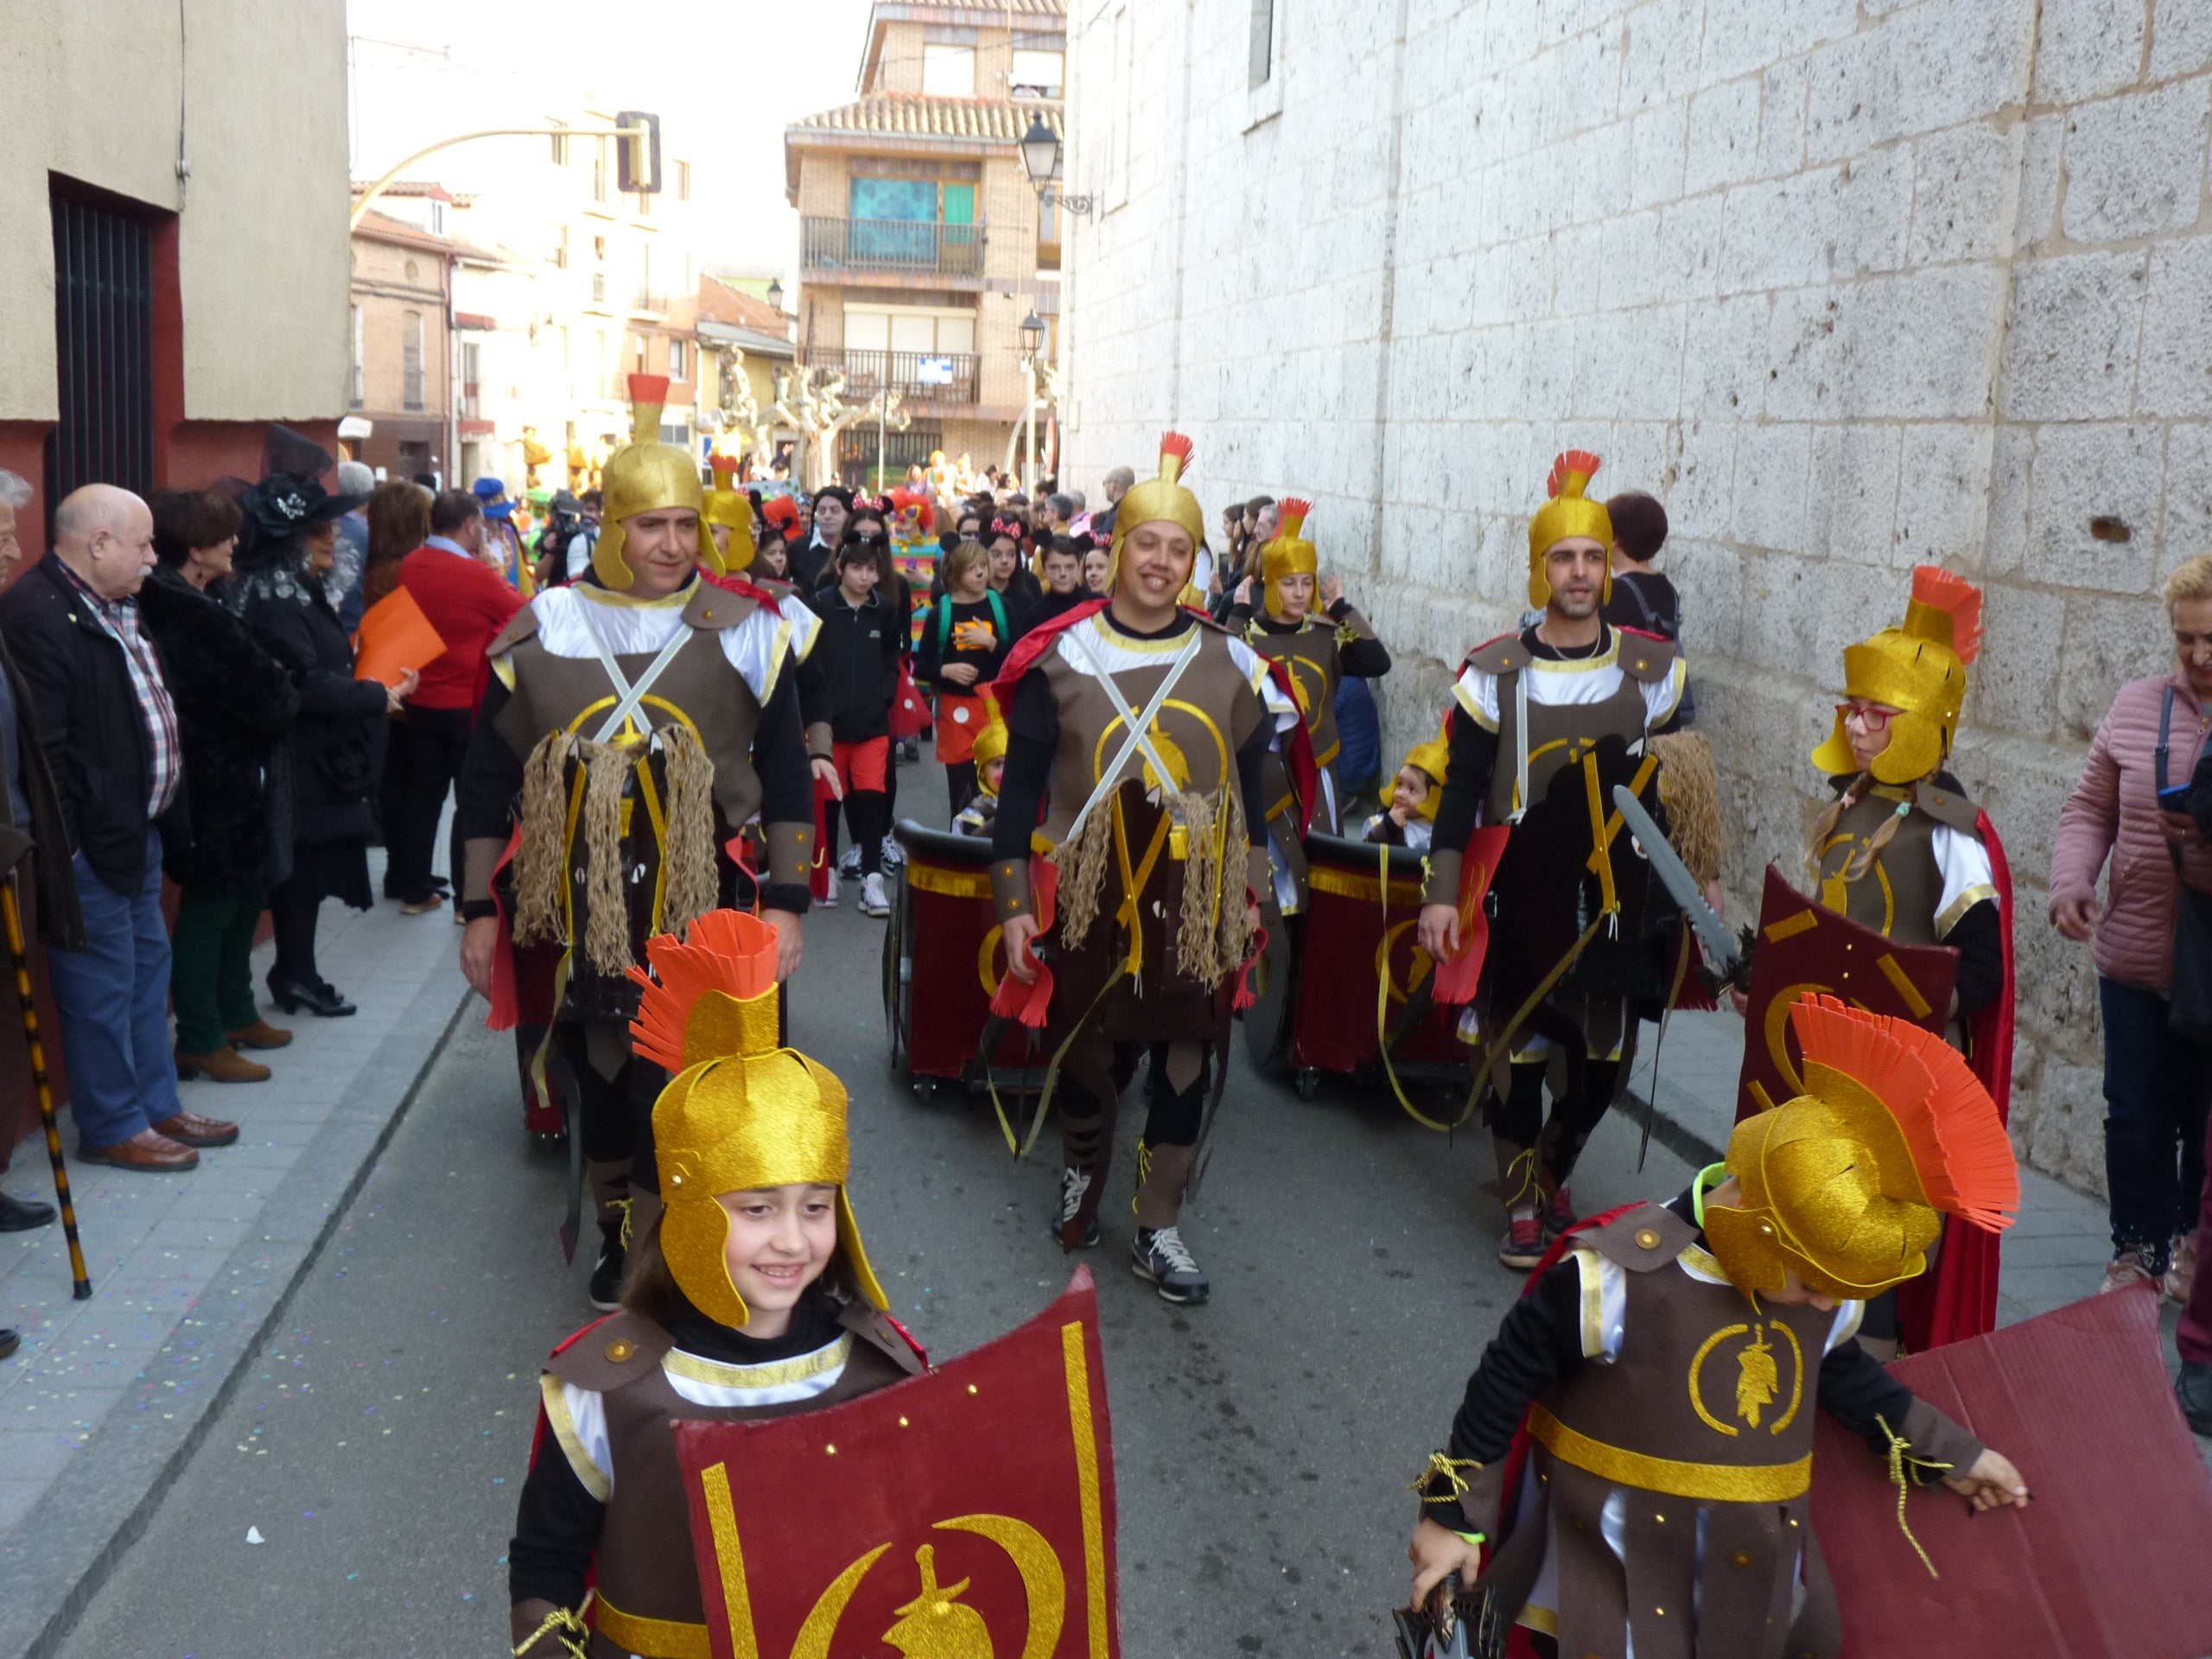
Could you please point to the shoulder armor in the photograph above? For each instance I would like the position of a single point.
(1642, 1239)
(883, 1332)
(1649, 658)
(1499, 656)
(619, 1349)
(717, 605)
(520, 626)
(1948, 805)
(1204, 619)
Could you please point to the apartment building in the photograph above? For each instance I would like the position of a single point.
(922, 247)
(399, 398)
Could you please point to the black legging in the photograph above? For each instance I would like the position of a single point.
(1518, 1118)
(293, 908)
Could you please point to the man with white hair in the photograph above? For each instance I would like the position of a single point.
(350, 559)
(102, 713)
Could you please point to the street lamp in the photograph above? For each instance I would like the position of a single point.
(776, 293)
(1033, 338)
(1032, 333)
(1040, 159)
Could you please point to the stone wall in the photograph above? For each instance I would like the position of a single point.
(1852, 284)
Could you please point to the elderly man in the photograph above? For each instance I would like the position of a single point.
(467, 603)
(350, 563)
(103, 717)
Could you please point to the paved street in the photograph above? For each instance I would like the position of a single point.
(375, 1441)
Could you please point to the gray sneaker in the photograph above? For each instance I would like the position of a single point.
(1161, 1255)
(873, 901)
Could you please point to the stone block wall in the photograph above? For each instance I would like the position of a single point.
(1852, 284)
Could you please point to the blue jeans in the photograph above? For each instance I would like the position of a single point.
(113, 999)
(2156, 1089)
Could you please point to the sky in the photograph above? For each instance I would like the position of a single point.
(725, 76)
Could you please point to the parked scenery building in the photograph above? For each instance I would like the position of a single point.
(174, 255)
(921, 248)
(1840, 312)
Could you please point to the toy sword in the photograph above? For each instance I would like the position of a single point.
(1731, 954)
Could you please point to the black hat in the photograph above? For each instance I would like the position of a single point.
(285, 504)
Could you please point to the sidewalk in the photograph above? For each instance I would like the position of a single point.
(106, 1397)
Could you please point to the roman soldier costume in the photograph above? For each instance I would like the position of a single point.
(1664, 1401)
(1318, 649)
(1904, 852)
(622, 746)
(1538, 735)
(1133, 771)
(604, 1503)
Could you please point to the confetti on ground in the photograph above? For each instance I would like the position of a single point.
(253, 1535)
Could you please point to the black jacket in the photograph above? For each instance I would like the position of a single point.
(233, 702)
(85, 715)
(336, 735)
(60, 917)
(858, 653)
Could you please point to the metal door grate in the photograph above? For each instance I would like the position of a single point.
(104, 350)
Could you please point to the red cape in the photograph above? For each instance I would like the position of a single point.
(1957, 1298)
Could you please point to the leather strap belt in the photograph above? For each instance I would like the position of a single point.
(649, 1638)
(1717, 1482)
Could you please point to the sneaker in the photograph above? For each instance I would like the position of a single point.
(1559, 1214)
(424, 906)
(2135, 1264)
(1074, 1183)
(829, 899)
(606, 1276)
(2181, 1271)
(1523, 1246)
(1160, 1254)
(894, 855)
(873, 901)
(849, 863)
(2194, 1389)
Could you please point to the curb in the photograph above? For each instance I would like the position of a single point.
(1677, 1121)
(57, 1560)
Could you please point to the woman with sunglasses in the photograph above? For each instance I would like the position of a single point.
(1904, 852)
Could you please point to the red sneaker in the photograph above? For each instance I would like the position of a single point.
(1523, 1247)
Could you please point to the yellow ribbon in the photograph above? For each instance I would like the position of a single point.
(566, 1625)
(1382, 1011)
(1441, 1467)
(1898, 1458)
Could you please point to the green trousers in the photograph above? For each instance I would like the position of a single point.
(210, 977)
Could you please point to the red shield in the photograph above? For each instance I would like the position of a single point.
(1805, 950)
(2106, 1562)
(1359, 930)
(967, 1511)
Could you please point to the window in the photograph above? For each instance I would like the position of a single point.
(472, 364)
(437, 219)
(1036, 74)
(411, 334)
(561, 251)
(684, 181)
(567, 366)
(949, 71)
(1264, 42)
(599, 171)
(561, 145)
(360, 389)
(606, 366)
(413, 272)
(676, 371)
(599, 249)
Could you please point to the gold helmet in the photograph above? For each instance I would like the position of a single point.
(1919, 670)
(1434, 757)
(1156, 498)
(990, 743)
(731, 508)
(644, 475)
(740, 1111)
(1570, 511)
(1849, 1182)
(1288, 554)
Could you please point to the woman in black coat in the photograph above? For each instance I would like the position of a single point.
(233, 702)
(334, 739)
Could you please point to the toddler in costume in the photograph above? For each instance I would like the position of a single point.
(749, 1295)
(1661, 1371)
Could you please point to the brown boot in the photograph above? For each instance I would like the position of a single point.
(224, 1065)
(259, 1034)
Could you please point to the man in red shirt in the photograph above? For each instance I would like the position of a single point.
(467, 603)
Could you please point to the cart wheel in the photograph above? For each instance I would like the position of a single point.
(1307, 1082)
(925, 1089)
(546, 1141)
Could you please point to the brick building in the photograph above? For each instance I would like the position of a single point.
(402, 381)
(1851, 286)
(921, 249)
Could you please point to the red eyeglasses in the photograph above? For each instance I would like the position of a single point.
(1873, 719)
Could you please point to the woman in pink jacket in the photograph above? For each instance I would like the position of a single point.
(2155, 1084)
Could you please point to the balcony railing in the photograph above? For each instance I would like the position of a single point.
(643, 298)
(930, 378)
(892, 244)
(599, 288)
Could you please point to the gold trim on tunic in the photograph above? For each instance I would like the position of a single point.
(651, 1639)
(593, 1479)
(1758, 1482)
(777, 1375)
(1952, 913)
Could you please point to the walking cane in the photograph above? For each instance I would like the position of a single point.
(20, 954)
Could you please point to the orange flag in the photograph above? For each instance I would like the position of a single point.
(394, 637)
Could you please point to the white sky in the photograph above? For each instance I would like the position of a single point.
(725, 76)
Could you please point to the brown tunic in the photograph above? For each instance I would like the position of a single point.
(645, 1569)
(1899, 892)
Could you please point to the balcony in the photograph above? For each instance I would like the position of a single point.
(928, 378)
(890, 244)
(646, 301)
